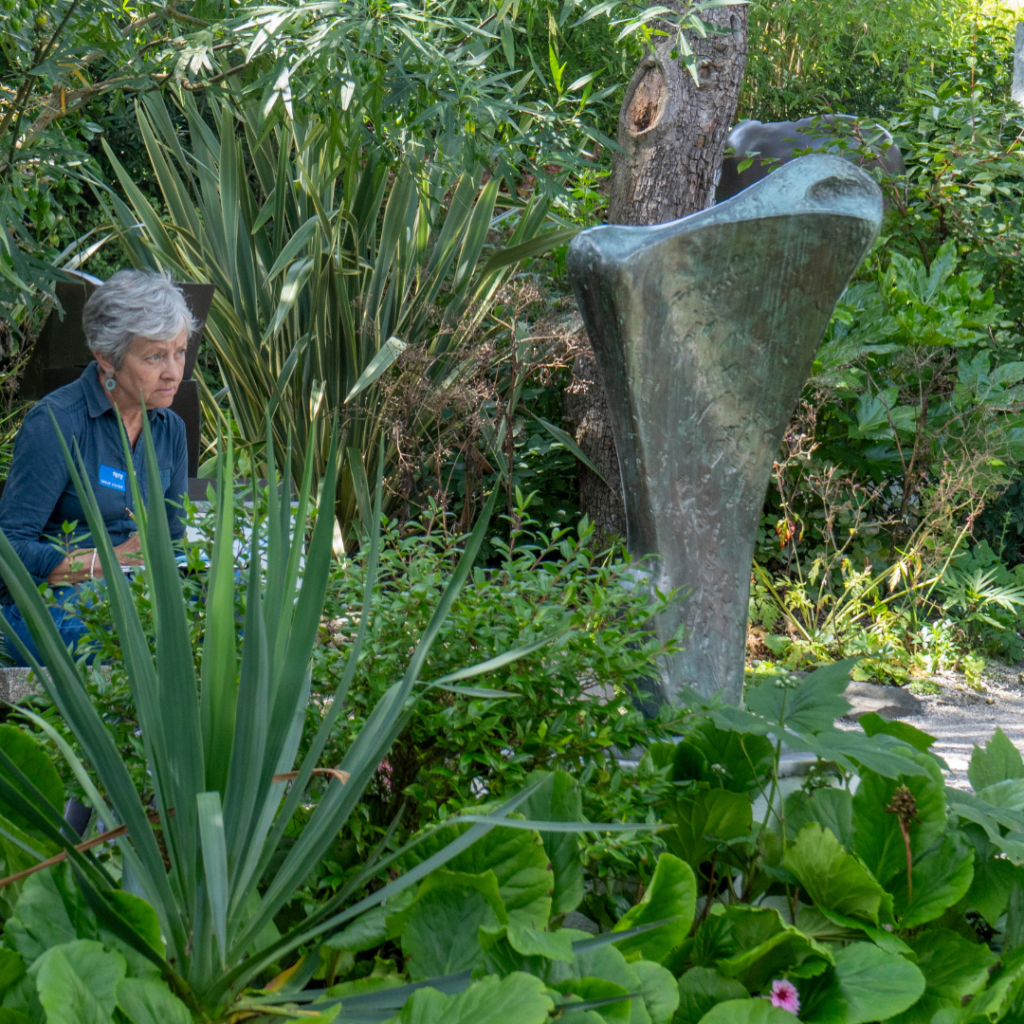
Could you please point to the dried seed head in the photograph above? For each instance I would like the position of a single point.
(904, 806)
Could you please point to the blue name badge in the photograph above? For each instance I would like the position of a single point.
(112, 478)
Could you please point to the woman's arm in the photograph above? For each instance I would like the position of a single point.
(177, 489)
(37, 479)
(84, 564)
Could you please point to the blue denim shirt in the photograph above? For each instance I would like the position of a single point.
(39, 496)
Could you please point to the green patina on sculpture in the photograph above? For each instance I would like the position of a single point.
(705, 330)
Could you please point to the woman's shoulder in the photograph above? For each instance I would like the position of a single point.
(68, 405)
(167, 420)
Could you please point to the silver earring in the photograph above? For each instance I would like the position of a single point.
(110, 383)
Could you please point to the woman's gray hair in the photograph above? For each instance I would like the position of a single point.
(134, 303)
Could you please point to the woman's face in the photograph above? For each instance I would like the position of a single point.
(150, 372)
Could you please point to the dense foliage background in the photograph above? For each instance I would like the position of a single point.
(383, 194)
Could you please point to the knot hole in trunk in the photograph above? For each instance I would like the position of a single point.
(647, 103)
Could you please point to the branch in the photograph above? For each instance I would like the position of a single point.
(62, 102)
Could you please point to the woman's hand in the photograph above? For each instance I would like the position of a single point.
(85, 564)
(125, 552)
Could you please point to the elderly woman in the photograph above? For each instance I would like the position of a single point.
(137, 326)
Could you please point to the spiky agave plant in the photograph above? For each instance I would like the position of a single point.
(221, 750)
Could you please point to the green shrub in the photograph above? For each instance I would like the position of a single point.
(219, 742)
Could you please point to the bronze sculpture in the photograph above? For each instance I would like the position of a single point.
(705, 330)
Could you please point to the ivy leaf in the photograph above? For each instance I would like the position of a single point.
(834, 879)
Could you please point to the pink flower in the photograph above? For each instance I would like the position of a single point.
(384, 773)
(785, 996)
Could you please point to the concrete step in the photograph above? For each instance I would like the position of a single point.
(16, 683)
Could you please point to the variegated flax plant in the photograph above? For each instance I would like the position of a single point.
(330, 256)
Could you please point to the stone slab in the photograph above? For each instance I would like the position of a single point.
(16, 683)
(887, 701)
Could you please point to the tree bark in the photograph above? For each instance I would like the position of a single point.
(672, 134)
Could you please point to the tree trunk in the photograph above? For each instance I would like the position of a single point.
(673, 137)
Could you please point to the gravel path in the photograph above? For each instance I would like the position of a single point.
(957, 716)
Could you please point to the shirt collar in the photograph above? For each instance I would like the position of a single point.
(96, 400)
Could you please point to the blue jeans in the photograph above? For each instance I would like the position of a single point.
(63, 613)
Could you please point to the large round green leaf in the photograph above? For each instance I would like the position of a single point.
(150, 1002)
(747, 1011)
(33, 761)
(940, 878)
(12, 970)
(65, 994)
(41, 918)
(834, 879)
(8, 1016)
(517, 858)
(755, 945)
(98, 969)
(559, 799)
(828, 806)
(659, 990)
(671, 894)
(739, 761)
(953, 968)
(877, 837)
(598, 990)
(441, 932)
(700, 989)
(867, 984)
(517, 999)
(705, 818)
